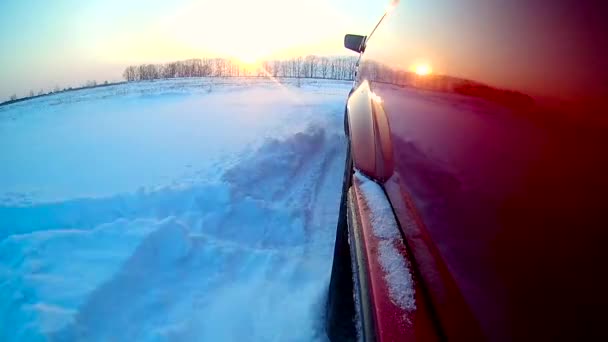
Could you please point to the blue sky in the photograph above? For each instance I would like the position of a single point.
(67, 42)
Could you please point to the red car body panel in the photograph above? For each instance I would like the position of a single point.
(392, 323)
(496, 164)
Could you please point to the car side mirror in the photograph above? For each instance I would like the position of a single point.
(354, 42)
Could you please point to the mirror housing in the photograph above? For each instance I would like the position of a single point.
(354, 42)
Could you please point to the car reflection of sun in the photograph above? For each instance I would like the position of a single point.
(422, 69)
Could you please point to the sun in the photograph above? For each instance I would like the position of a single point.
(248, 60)
(422, 69)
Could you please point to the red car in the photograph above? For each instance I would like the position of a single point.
(475, 202)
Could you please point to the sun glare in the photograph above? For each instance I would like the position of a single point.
(422, 69)
(248, 60)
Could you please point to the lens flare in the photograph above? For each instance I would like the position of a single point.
(391, 5)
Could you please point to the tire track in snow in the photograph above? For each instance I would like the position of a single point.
(171, 285)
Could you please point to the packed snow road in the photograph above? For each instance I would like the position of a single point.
(194, 210)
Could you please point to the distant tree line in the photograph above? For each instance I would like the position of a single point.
(32, 95)
(337, 68)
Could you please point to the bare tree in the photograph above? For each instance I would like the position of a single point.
(130, 73)
(311, 62)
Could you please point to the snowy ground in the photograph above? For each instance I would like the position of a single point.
(173, 210)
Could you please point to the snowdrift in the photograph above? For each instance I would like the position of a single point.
(165, 211)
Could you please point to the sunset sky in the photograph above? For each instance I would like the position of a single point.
(67, 42)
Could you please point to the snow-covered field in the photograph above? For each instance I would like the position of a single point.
(191, 209)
